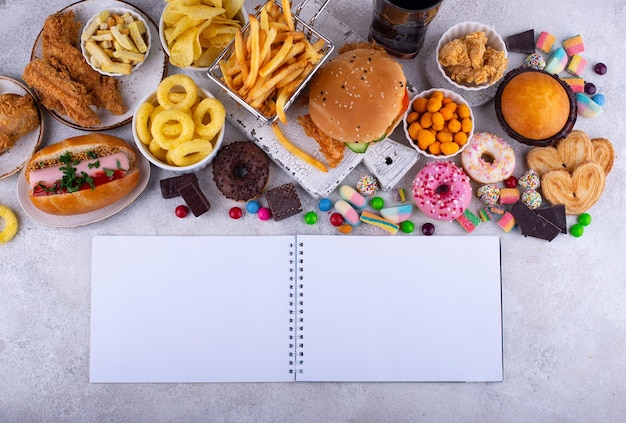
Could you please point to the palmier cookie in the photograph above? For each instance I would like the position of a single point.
(577, 191)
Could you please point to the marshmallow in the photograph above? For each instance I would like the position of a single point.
(397, 214)
(586, 106)
(347, 212)
(556, 62)
(545, 41)
(349, 194)
(574, 45)
(576, 84)
(576, 65)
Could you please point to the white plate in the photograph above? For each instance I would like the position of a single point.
(134, 86)
(14, 159)
(83, 219)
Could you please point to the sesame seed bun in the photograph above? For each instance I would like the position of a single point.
(358, 96)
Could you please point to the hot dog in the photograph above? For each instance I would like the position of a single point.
(81, 174)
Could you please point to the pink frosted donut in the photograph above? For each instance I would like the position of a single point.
(441, 190)
(488, 158)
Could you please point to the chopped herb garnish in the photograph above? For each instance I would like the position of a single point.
(108, 172)
(95, 164)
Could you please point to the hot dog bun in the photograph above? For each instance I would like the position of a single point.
(84, 200)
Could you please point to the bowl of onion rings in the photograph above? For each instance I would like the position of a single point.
(194, 34)
(180, 126)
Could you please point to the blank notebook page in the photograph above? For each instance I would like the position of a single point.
(190, 309)
(401, 308)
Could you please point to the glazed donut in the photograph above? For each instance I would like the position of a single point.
(10, 224)
(241, 170)
(442, 191)
(488, 158)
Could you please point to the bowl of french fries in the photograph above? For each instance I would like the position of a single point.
(194, 33)
(270, 61)
(116, 41)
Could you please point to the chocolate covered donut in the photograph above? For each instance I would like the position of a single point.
(241, 170)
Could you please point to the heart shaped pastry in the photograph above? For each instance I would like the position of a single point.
(577, 191)
(568, 154)
(604, 154)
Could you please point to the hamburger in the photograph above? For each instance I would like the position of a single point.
(357, 98)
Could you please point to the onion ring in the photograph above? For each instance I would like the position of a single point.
(190, 152)
(143, 119)
(156, 150)
(217, 116)
(166, 117)
(171, 82)
(10, 224)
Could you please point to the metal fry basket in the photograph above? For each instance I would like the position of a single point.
(313, 36)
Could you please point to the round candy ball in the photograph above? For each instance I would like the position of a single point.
(325, 204)
(530, 180)
(377, 203)
(310, 218)
(531, 198)
(336, 219)
(181, 211)
(253, 206)
(577, 230)
(367, 186)
(489, 194)
(264, 213)
(600, 68)
(590, 88)
(534, 61)
(428, 229)
(235, 212)
(510, 182)
(584, 219)
(407, 226)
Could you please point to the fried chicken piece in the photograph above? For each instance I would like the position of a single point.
(61, 27)
(18, 116)
(59, 90)
(104, 90)
(331, 148)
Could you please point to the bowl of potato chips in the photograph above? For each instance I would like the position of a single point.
(194, 34)
(116, 41)
(180, 126)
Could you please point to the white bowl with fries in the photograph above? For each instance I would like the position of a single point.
(177, 39)
(116, 41)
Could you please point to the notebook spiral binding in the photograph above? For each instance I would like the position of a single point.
(296, 310)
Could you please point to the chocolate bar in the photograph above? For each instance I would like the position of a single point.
(524, 42)
(195, 198)
(555, 215)
(169, 186)
(283, 201)
(532, 224)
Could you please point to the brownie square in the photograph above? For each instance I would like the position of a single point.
(283, 201)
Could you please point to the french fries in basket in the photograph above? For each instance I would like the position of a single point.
(271, 61)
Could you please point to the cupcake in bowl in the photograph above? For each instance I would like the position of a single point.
(535, 107)
(116, 41)
(197, 47)
(438, 123)
(471, 58)
(180, 126)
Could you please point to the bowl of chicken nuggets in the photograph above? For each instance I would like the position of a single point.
(472, 58)
(194, 34)
(116, 41)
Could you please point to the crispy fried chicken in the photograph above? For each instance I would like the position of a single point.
(18, 116)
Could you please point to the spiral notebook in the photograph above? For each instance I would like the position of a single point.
(295, 308)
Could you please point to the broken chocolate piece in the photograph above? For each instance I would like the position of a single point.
(533, 225)
(555, 215)
(283, 201)
(169, 186)
(195, 198)
(524, 42)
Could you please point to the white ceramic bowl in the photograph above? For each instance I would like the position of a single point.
(119, 11)
(241, 16)
(143, 148)
(455, 98)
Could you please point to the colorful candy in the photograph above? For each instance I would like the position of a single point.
(399, 195)
(349, 194)
(576, 65)
(577, 230)
(379, 221)
(428, 229)
(336, 219)
(367, 185)
(530, 180)
(507, 222)
(310, 218)
(599, 99)
(509, 195)
(574, 45)
(348, 212)
(534, 61)
(586, 106)
(377, 203)
(264, 213)
(600, 68)
(545, 42)
(468, 221)
(407, 226)
(531, 198)
(397, 214)
(488, 194)
(576, 84)
(325, 204)
(584, 219)
(253, 206)
(484, 215)
(496, 210)
(557, 61)
(590, 88)
(235, 212)
(344, 228)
